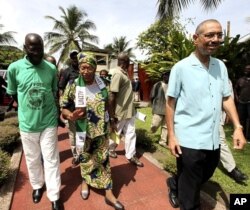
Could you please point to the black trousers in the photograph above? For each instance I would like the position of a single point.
(244, 115)
(194, 168)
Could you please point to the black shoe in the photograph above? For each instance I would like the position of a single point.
(134, 160)
(117, 205)
(172, 192)
(37, 195)
(237, 175)
(75, 162)
(57, 205)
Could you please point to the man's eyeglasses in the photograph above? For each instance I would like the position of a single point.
(219, 35)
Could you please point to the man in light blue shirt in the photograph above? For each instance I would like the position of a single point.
(198, 88)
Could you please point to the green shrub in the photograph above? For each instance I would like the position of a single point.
(144, 139)
(10, 114)
(9, 121)
(4, 166)
(9, 132)
(9, 137)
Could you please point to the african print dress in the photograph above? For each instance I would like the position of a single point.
(94, 160)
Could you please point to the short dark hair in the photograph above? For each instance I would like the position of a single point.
(73, 53)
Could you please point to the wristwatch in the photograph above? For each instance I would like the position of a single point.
(238, 126)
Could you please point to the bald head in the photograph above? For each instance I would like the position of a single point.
(201, 27)
(34, 48)
(123, 61)
(51, 59)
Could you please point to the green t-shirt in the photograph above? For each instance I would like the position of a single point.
(35, 86)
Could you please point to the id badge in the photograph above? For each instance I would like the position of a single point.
(80, 139)
(80, 100)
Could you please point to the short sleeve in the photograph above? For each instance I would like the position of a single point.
(11, 78)
(174, 84)
(68, 97)
(115, 83)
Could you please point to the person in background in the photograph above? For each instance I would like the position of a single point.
(104, 74)
(158, 102)
(193, 111)
(122, 110)
(91, 117)
(52, 60)
(136, 86)
(33, 84)
(68, 75)
(242, 95)
(3, 85)
(226, 156)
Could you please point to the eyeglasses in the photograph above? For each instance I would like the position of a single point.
(219, 35)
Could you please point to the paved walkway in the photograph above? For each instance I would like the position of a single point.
(137, 188)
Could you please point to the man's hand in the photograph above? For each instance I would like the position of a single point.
(239, 140)
(174, 146)
(113, 127)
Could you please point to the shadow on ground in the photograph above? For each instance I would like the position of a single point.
(216, 192)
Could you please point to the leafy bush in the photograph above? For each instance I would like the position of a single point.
(4, 166)
(9, 132)
(9, 138)
(9, 121)
(144, 139)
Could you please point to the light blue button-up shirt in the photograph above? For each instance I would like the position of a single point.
(199, 93)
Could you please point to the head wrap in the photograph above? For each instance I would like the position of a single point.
(86, 57)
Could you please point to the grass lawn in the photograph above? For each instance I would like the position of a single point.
(220, 185)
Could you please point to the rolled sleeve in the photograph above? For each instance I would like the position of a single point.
(115, 83)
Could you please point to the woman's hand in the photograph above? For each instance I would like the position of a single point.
(77, 114)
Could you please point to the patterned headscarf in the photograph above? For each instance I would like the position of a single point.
(86, 57)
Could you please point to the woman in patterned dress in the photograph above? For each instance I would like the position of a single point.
(85, 102)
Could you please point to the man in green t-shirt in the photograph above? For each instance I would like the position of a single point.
(32, 82)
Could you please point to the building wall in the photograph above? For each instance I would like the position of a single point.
(146, 84)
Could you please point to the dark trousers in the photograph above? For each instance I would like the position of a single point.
(244, 115)
(194, 167)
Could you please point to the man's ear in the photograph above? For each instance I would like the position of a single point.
(195, 37)
(24, 48)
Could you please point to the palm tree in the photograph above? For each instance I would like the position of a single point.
(119, 45)
(170, 8)
(6, 37)
(70, 32)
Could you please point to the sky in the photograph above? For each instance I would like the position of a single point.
(115, 18)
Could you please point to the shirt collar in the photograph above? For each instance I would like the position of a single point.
(29, 64)
(196, 62)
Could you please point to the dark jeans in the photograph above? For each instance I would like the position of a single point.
(194, 168)
(244, 115)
